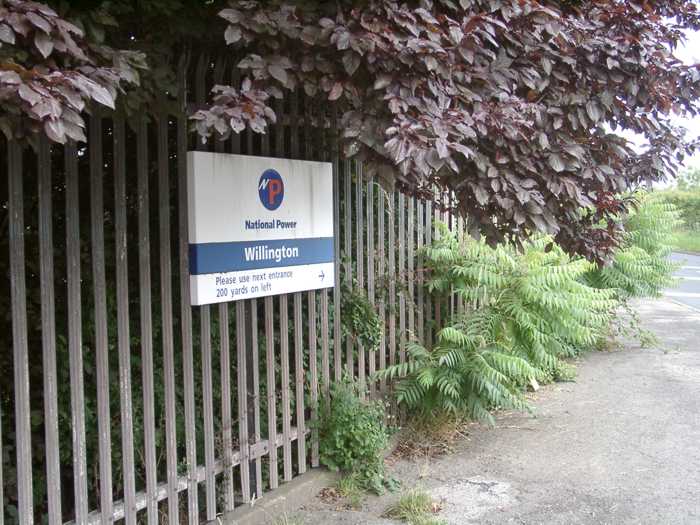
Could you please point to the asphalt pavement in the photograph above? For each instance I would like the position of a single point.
(618, 446)
(688, 289)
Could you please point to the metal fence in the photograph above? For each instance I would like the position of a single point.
(126, 403)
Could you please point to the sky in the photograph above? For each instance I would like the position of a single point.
(689, 53)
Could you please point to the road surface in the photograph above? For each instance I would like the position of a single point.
(618, 446)
(688, 290)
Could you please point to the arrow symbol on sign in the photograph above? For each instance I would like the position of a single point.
(322, 275)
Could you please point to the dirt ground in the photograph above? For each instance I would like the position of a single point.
(619, 445)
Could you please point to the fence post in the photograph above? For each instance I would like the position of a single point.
(19, 334)
(166, 305)
(100, 299)
(123, 331)
(48, 334)
(250, 393)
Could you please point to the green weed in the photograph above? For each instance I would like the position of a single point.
(414, 507)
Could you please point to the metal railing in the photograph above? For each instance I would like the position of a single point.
(126, 403)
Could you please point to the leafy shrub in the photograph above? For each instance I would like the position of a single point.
(527, 308)
(688, 205)
(465, 373)
(353, 437)
(359, 319)
(641, 267)
(532, 296)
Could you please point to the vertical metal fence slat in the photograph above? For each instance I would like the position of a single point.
(48, 335)
(337, 343)
(372, 355)
(427, 306)
(226, 418)
(75, 342)
(224, 356)
(255, 357)
(347, 180)
(235, 137)
(420, 321)
(100, 298)
(270, 364)
(123, 331)
(325, 357)
(401, 276)
(145, 317)
(279, 128)
(226, 392)
(299, 377)
(410, 282)
(311, 296)
(284, 385)
(186, 310)
(208, 410)
(242, 399)
(284, 327)
(381, 268)
(166, 305)
(313, 370)
(359, 262)
(457, 221)
(438, 218)
(326, 146)
(200, 81)
(20, 344)
(392, 279)
(2, 483)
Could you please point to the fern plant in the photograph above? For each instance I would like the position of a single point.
(465, 373)
(527, 306)
(641, 267)
(534, 294)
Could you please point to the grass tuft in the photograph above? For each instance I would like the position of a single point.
(351, 489)
(286, 519)
(415, 507)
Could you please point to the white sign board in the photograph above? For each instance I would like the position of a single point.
(258, 226)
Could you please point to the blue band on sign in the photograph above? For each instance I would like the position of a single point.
(219, 257)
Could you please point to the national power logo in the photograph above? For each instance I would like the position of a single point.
(271, 189)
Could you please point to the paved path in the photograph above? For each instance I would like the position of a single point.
(688, 290)
(620, 445)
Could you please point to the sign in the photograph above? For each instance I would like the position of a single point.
(258, 226)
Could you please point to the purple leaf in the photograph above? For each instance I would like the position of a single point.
(101, 95)
(278, 73)
(55, 131)
(335, 91)
(232, 34)
(556, 162)
(43, 43)
(39, 22)
(28, 94)
(7, 35)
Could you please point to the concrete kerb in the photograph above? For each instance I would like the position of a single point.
(686, 306)
(289, 497)
(285, 499)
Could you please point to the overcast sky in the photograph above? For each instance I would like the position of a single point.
(690, 54)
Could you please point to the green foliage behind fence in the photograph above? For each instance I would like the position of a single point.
(641, 267)
(525, 309)
(688, 205)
